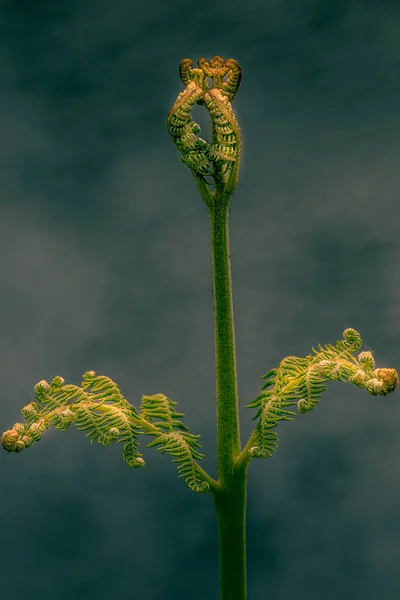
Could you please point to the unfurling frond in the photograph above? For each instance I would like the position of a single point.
(219, 160)
(97, 407)
(301, 381)
(183, 130)
(171, 436)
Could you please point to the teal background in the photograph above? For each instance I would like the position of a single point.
(105, 265)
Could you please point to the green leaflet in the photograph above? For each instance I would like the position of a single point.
(302, 381)
(99, 408)
(172, 436)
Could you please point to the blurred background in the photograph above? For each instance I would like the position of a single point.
(105, 265)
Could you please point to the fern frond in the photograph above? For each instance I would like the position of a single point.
(97, 407)
(183, 130)
(172, 437)
(302, 381)
(219, 160)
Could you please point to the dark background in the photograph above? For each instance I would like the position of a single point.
(105, 265)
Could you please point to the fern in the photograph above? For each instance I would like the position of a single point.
(99, 408)
(302, 381)
(221, 159)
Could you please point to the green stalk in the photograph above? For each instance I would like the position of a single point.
(230, 497)
(231, 517)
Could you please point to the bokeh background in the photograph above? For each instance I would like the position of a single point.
(105, 265)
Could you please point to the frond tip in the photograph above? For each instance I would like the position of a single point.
(97, 407)
(218, 160)
(301, 382)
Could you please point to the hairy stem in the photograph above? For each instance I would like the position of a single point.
(242, 461)
(230, 499)
(228, 440)
(231, 515)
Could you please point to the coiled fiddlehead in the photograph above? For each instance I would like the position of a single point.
(302, 381)
(218, 69)
(220, 160)
(225, 130)
(195, 151)
(99, 408)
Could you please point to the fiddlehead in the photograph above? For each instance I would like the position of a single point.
(171, 435)
(220, 161)
(217, 69)
(302, 381)
(225, 148)
(189, 75)
(99, 408)
(230, 87)
(195, 151)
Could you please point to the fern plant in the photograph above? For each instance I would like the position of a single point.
(99, 408)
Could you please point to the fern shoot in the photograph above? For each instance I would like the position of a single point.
(98, 407)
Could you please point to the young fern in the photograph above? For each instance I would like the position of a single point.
(301, 382)
(219, 160)
(99, 408)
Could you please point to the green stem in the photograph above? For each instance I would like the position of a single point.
(228, 441)
(230, 498)
(231, 516)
